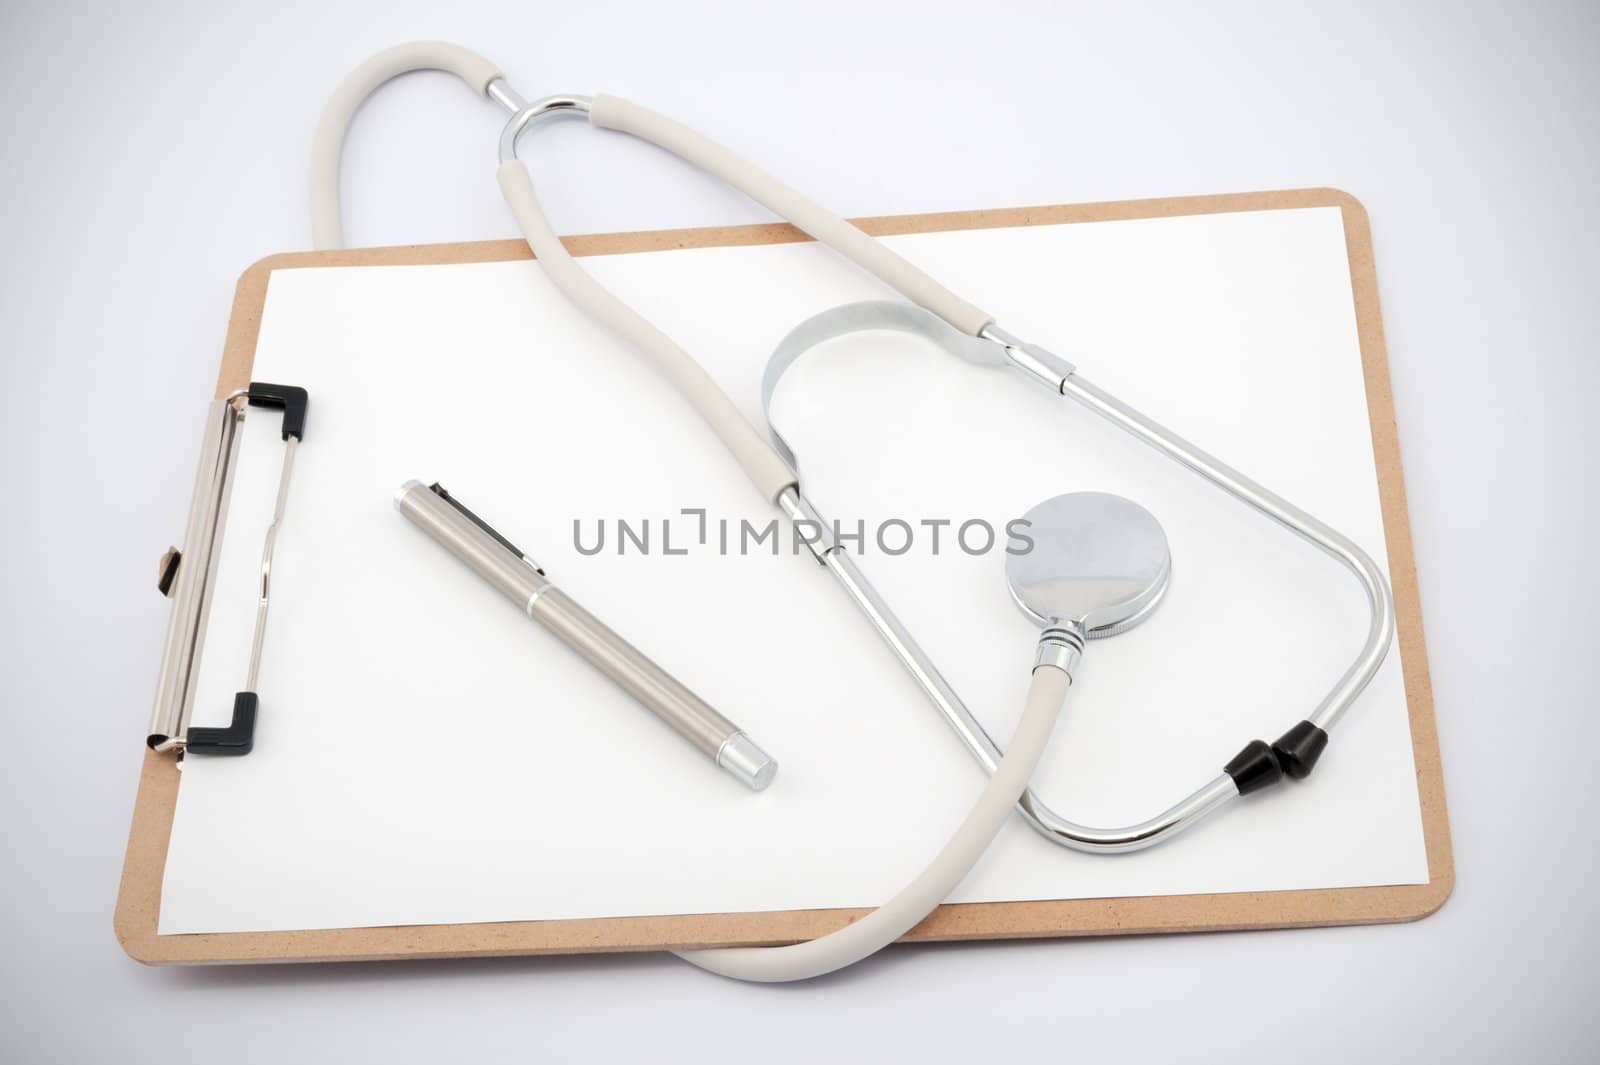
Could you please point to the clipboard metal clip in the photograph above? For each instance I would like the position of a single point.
(188, 576)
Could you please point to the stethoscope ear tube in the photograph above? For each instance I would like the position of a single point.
(763, 465)
(762, 462)
(873, 256)
(477, 72)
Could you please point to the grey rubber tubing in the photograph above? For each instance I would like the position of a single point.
(347, 99)
(873, 256)
(933, 885)
(772, 475)
(766, 467)
(762, 464)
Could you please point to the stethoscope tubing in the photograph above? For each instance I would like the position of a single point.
(957, 326)
(770, 467)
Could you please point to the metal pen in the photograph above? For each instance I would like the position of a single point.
(517, 577)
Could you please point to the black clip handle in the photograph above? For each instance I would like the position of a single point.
(291, 399)
(237, 738)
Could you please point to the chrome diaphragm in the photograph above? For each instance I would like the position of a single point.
(1098, 564)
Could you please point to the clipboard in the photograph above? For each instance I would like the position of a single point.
(139, 896)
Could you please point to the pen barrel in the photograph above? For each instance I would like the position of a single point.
(495, 560)
(653, 687)
(503, 565)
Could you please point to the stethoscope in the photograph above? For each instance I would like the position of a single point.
(1100, 564)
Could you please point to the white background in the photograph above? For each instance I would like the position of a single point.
(150, 155)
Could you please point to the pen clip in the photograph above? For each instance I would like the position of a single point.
(439, 490)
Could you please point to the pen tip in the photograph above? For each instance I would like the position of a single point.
(747, 763)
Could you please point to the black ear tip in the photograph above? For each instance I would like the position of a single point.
(1299, 748)
(1254, 768)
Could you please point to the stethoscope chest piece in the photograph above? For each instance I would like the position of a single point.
(1097, 563)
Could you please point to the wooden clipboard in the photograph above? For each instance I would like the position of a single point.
(139, 899)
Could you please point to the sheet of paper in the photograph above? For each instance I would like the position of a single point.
(425, 754)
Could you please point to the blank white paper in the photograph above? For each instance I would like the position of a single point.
(426, 755)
